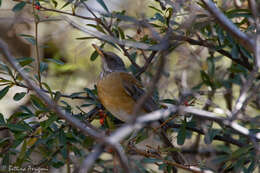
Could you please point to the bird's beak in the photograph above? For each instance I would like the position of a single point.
(99, 50)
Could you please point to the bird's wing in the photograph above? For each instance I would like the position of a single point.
(135, 90)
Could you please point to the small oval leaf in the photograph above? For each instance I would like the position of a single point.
(4, 91)
(19, 6)
(19, 96)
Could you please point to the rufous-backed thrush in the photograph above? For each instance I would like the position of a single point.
(119, 91)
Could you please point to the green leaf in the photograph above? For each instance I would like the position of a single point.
(151, 160)
(159, 17)
(48, 88)
(156, 9)
(181, 134)
(2, 120)
(205, 78)
(110, 123)
(101, 2)
(19, 96)
(55, 3)
(234, 52)
(97, 27)
(37, 102)
(25, 61)
(43, 66)
(17, 127)
(220, 159)
(142, 135)
(49, 121)
(3, 140)
(170, 101)
(85, 38)
(19, 6)
(29, 38)
(6, 160)
(94, 56)
(22, 154)
(62, 138)
(76, 94)
(64, 152)
(56, 163)
(251, 167)
(210, 135)
(22, 115)
(121, 32)
(66, 4)
(211, 66)
(56, 61)
(4, 91)
(239, 152)
(0, 3)
(6, 68)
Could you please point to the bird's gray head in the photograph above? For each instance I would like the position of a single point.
(110, 61)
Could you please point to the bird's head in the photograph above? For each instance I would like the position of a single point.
(110, 61)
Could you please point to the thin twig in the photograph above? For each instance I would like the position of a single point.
(36, 22)
(146, 65)
(91, 158)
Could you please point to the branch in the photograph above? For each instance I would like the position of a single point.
(147, 63)
(241, 37)
(254, 8)
(92, 157)
(204, 43)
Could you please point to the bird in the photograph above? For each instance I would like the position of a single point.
(119, 91)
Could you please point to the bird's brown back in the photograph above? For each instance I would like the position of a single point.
(119, 92)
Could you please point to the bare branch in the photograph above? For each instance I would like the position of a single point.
(254, 8)
(92, 157)
(241, 101)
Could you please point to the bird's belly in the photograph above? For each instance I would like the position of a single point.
(114, 98)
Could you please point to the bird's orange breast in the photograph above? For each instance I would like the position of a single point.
(113, 96)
